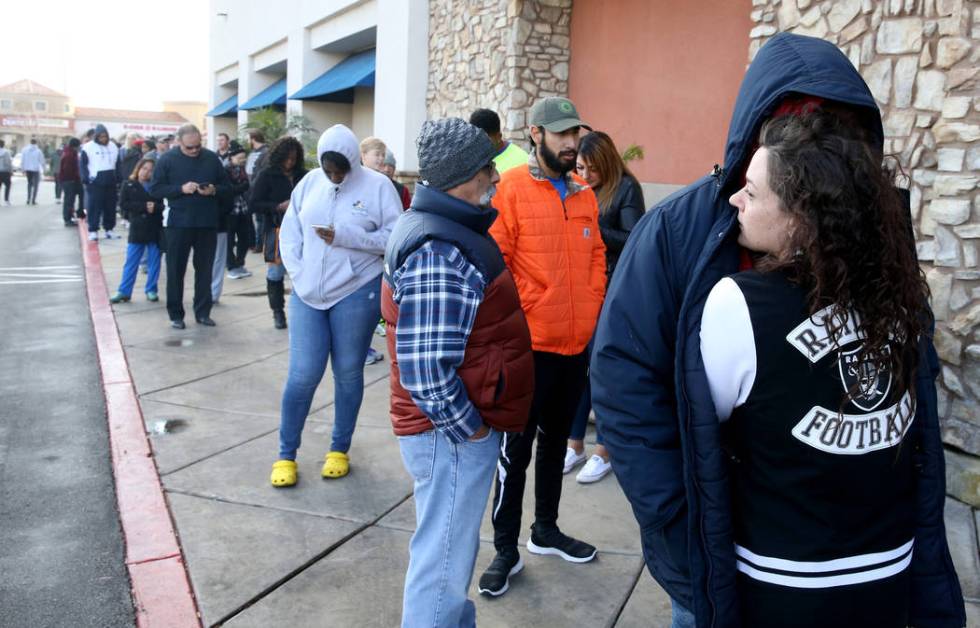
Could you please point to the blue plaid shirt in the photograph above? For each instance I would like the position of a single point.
(438, 293)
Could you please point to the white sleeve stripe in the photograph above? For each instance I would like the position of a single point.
(728, 347)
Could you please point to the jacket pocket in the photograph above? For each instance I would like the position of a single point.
(418, 454)
(666, 547)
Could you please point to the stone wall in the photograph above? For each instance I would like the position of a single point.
(920, 58)
(498, 54)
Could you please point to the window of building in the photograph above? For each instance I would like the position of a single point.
(40, 105)
(6, 104)
(67, 109)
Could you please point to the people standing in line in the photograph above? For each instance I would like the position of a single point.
(6, 171)
(373, 152)
(620, 201)
(332, 242)
(810, 359)
(99, 160)
(160, 147)
(55, 169)
(269, 197)
(32, 163)
(189, 179)
(650, 389)
(548, 232)
(388, 168)
(238, 216)
(130, 156)
(509, 154)
(224, 148)
(253, 166)
(145, 216)
(462, 371)
(70, 176)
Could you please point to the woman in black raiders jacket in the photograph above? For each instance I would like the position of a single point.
(810, 359)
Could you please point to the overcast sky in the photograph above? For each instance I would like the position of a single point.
(108, 53)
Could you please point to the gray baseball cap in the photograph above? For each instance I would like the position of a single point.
(555, 114)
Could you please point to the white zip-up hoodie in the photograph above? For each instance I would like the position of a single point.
(363, 210)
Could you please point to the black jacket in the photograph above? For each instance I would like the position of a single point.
(272, 187)
(144, 227)
(173, 170)
(616, 222)
(237, 186)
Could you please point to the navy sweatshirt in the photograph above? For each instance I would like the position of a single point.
(173, 170)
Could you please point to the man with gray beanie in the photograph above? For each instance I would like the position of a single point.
(461, 368)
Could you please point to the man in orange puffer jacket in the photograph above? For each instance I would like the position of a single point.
(548, 232)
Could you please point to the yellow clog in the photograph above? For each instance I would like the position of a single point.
(336, 465)
(283, 473)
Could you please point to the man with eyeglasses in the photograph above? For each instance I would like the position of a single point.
(190, 179)
(548, 232)
(461, 368)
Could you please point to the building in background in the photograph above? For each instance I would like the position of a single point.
(362, 63)
(119, 122)
(191, 110)
(29, 109)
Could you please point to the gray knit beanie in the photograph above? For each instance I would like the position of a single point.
(451, 152)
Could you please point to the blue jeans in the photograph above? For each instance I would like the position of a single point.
(680, 616)
(134, 252)
(275, 272)
(452, 485)
(342, 333)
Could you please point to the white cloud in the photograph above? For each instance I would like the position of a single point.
(109, 53)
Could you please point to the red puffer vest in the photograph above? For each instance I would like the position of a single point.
(498, 367)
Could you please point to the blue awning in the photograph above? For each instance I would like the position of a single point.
(273, 95)
(337, 84)
(227, 108)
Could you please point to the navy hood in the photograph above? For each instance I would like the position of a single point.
(792, 64)
(100, 128)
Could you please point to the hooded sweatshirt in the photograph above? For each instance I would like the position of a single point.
(98, 161)
(363, 209)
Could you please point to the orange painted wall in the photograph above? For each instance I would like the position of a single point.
(662, 74)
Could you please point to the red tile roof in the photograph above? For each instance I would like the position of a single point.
(97, 114)
(27, 86)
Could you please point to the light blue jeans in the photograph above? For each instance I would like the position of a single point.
(133, 254)
(452, 486)
(680, 616)
(342, 334)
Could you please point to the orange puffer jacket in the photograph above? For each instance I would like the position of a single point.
(555, 253)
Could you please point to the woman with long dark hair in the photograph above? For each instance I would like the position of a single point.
(145, 216)
(810, 360)
(270, 198)
(620, 201)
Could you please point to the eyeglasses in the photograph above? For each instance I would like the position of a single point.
(192, 148)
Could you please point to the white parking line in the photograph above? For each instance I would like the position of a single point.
(9, 283)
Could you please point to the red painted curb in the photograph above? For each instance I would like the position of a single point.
(162, 594)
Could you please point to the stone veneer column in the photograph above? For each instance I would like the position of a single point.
(498, 54)
(920, 58)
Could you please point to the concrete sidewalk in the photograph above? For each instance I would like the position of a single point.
(336, 551)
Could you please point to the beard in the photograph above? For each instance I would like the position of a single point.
(560, 164)
(487, 198)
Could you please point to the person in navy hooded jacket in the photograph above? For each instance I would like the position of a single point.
(649, 388)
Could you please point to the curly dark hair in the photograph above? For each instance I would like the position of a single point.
(851, 245)
(282, 148)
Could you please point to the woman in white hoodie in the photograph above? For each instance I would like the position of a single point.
(332, 241)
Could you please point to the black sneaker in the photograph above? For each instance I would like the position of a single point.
(496, 579)
(552, 541)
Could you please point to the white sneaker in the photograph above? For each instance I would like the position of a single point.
(234, 273)
(244, 272)
(594, 470)
(372, 357)
(573, 459)
(93, 236)
(109, 235)
(381, 330)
